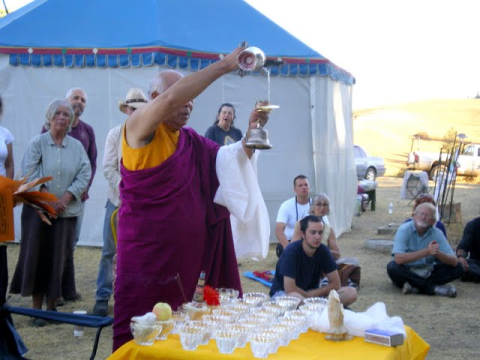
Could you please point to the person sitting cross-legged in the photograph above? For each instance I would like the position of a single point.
(423, 260)
(301, 264)
(468, 251)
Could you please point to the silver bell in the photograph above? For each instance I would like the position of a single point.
(258, 139)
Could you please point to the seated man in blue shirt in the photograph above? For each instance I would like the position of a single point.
(423, 260)
(302, 264)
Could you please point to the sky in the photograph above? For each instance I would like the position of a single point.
(398, 50)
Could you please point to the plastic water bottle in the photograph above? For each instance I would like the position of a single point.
(390, 208)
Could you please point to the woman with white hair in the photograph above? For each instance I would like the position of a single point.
(45, 248)
(349, 267)
(321, 207)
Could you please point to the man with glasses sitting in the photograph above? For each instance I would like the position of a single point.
(423, 260)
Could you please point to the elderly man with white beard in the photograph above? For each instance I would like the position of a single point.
(423, 260)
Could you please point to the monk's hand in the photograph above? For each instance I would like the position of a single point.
(230, 60)
(258, 118)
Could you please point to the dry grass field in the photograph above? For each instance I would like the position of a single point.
(387, 131)
(450, 326)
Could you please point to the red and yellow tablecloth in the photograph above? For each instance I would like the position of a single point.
(311, 345)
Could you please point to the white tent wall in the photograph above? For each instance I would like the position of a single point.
(334, 162)
(311, 133)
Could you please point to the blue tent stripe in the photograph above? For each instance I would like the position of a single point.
(284, 70)
(147, 59)
(124, 61)
(303, 69)
(101, 61)
(36, 60)
(79, 61)
(274, 70)
(13, 60)
(204, 63)
(90, 61)
(112, 61)
(322, 69)
(69, 61)
(25, 59)
(136, 60)
(47, 60)
(58, 60)
(160, 58)
(194, 63)
(183, 62)
(172, 61)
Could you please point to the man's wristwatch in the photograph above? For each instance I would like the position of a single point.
(460, 256)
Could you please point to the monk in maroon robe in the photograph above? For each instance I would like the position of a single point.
(169, 228)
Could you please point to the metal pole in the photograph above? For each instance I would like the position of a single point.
(5, 6)
(447, 188)
(460, 150)
(436, 176)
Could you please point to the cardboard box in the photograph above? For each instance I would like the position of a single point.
(384, 337)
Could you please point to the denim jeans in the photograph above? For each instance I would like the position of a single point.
(78, 228)
(104, 279)
(441, 274)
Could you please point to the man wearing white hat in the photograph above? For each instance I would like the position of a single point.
(111, 169)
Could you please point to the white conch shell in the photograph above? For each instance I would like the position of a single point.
(147, 319)
(335, 314)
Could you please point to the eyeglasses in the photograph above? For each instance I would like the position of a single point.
(322, 204)
(424, 215)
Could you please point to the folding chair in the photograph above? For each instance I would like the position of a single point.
(414, 184)
(92, 321)
(11, 344)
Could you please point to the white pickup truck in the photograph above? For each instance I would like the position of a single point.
(468, 162)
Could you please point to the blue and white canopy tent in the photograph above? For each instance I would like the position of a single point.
(109, 46)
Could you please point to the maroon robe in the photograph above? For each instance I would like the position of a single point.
(168, 226)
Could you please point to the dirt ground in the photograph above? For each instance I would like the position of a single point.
(450, 326)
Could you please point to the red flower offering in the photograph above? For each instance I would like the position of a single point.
(210, 296)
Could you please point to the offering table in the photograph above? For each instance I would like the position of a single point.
(310, 345)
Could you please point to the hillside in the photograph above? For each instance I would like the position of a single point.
(387, 131)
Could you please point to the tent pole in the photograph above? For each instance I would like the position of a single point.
(5, 6)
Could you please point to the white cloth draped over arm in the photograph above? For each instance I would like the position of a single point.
(240, 193)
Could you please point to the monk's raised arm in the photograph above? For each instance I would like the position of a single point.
(174, 91)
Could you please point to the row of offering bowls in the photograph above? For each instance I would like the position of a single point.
(266, 323)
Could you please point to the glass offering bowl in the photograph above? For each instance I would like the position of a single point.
(194, 312)
(167, 327)
(255, 298)
(145, 334)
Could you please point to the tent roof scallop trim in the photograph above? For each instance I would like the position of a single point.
(162, 56)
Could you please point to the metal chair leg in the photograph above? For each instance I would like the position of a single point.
(95, 343)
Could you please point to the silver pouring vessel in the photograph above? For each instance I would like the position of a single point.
(251, 59)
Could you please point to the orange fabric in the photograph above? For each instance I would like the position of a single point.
(113, 225)
(162, 146)
(311, 345)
